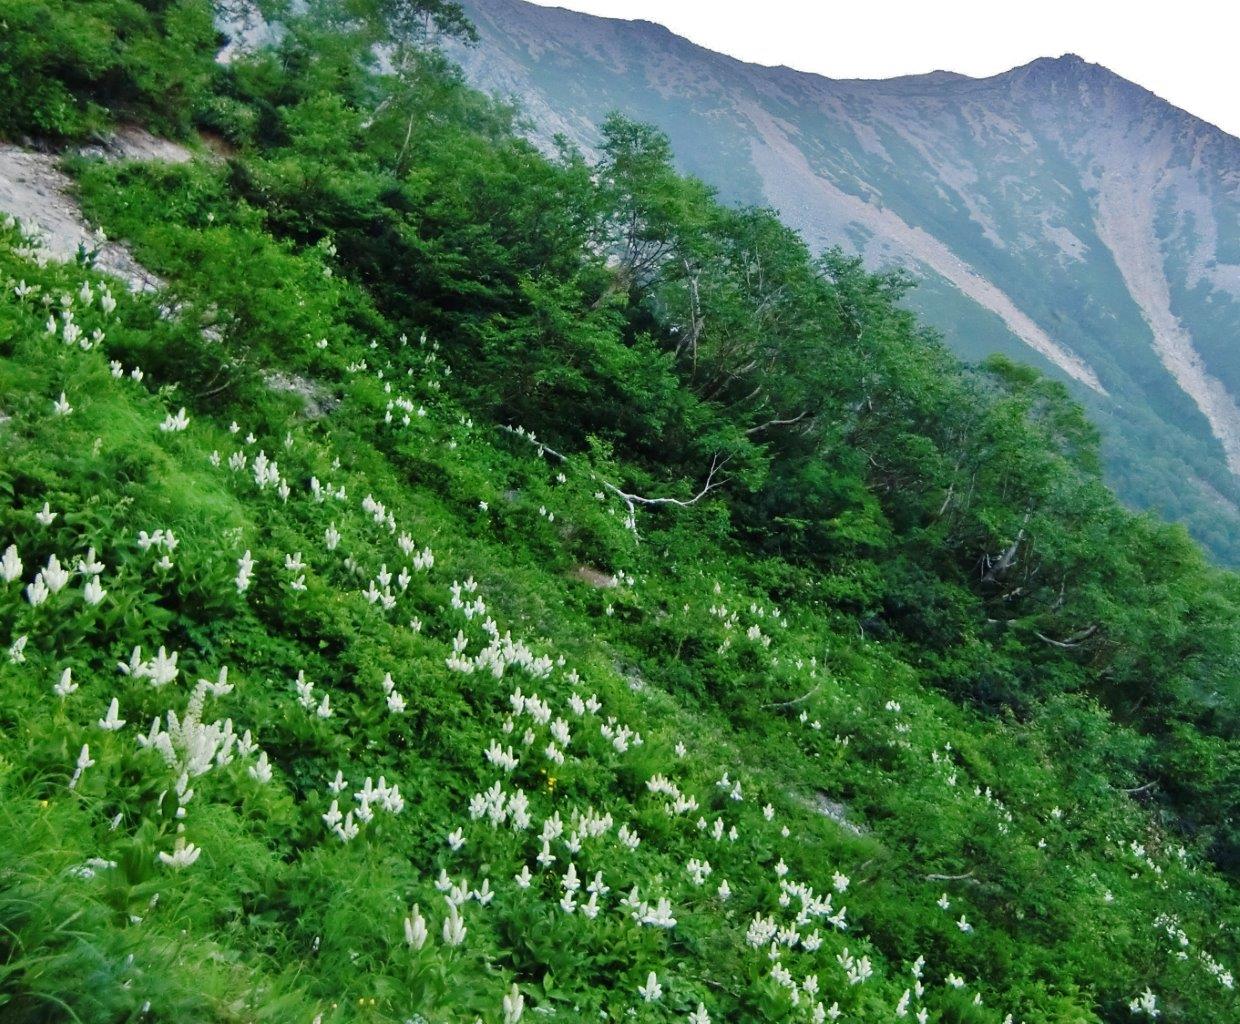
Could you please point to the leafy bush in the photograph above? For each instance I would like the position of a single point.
(66, 69)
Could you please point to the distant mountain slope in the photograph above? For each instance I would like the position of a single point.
(1056, 213)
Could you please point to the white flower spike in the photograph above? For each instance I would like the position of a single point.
(514, 1005)
(415, 929)
(454, 929)
(112, 721)
(10, 564)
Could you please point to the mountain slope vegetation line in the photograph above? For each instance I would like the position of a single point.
(1056, 214)
(479, 586)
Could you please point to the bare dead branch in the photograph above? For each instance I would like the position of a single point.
(946, 501)
(1004, 562)
(1075, 640)
(631, 501)
(796, 700)
(404, 146)
(689, 339)
(716, 464)
(778, 422)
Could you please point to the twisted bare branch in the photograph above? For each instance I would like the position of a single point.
(714, 479)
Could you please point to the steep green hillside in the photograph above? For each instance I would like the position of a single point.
(402, 618)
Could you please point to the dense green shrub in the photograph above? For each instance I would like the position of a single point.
(68, 69)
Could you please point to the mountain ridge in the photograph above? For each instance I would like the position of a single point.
(1055, 212)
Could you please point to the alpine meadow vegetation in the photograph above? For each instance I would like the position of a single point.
(480, 585)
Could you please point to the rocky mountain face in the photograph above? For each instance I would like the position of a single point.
(1056, 213)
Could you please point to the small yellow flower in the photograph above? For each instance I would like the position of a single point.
(43, 804)
(551, 782)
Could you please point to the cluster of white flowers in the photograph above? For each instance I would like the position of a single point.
(245, 572)
(72, 333)
(699, 1016)
(1224, 976)
(395, 701)
(571, 885)
(500, 654)
(111, 721)
(500, 808)
(10, 565)
(856, 969)
(164, 541)
(118, 371)
(1169, 924)
(1146, 1003)
(698, 870)
(320, 492)
(812, 906)
(717, 830)
(183, 854)
(733, 789)
(416, 932)
(158, 671)
(65, 685)
(628, 837)
(49, 580)
(653, 915)
(406, 407)
(346, 825)
(174, 424)
(379, 513)
(307, 699)
(454, 929)
(266, 472)
(580, 707)
(189, 746)
(501, 757)
(680, 803)
(814, 724)
(17, 649)
(84, 761)
(513, 1005)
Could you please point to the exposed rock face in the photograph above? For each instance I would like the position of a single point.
(39, 195)
(129, 142)
(316, 399)
(594, 577)
(35, 191)
(1056, 212)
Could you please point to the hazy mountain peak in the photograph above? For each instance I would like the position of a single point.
(1067, 60)
(1068, 67)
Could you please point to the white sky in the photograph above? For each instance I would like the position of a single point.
(1188, 51)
